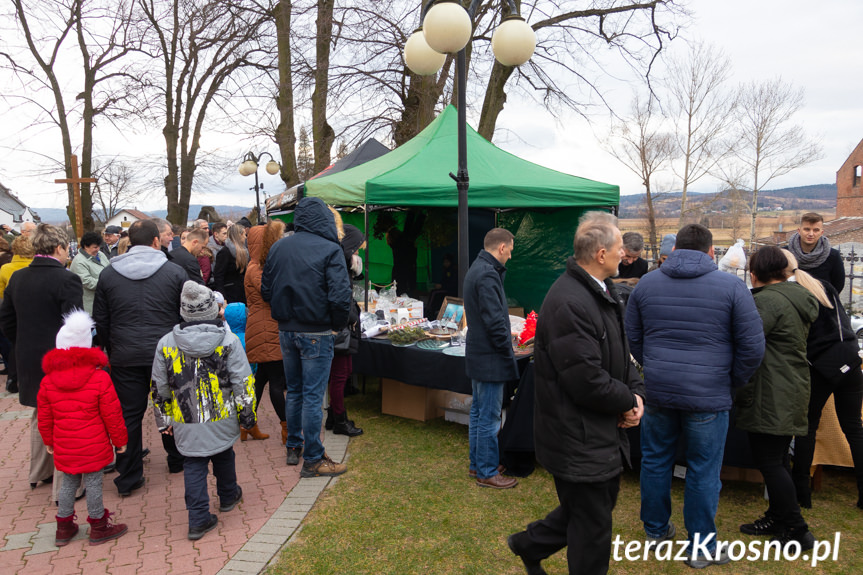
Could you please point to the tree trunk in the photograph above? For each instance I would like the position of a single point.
(285, 133)
(418, 108)
(322, 133)
(651, 221)
(495, 98)
(172, 179)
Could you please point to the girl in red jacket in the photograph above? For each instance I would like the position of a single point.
(79, 419)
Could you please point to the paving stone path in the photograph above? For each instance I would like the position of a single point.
(275, 501)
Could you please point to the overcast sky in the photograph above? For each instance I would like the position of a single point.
(814, 46)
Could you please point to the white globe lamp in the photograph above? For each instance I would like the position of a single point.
(420, 58)
(447, 27)
(273, 167)
(513, 42)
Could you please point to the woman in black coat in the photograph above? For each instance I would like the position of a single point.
(230, 272)
(32, 312)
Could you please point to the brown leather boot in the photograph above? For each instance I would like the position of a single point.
(284, 433)
(254, 432)
(102, 530)
(66, 530)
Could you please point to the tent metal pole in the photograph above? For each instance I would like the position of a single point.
(366, 263)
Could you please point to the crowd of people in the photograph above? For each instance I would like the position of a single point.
(713, 354)
(690, 352)
(71, 356)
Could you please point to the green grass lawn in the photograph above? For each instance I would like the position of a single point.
(406, 506)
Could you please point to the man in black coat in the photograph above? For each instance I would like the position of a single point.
(186, 255)
(137, 301)
(31, 315)
(489, 359)
(587, 392)
(814, 254)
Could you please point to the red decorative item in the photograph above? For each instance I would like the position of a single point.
(529, 329)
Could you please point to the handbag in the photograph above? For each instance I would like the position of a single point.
(839, 359)
(342, 343)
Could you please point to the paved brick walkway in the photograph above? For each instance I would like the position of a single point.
(244, 541)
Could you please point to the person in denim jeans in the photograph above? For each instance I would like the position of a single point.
(697, 334)
(489, 359)
(306, 283)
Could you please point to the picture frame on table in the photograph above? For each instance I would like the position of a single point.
(452, 310)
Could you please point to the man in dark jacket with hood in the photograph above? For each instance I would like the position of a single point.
(587, 392)
(306, 282)
(489, 360)
(697, 334)
(137, 301)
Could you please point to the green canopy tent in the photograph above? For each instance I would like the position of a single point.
(539, 205)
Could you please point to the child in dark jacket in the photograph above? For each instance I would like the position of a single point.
(203, 392)
(79, 420)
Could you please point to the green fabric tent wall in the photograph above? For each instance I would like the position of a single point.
(544, 204)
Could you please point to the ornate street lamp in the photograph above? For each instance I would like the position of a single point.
(446, 28)
(250, 166)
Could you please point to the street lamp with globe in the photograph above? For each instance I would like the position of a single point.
(250, 166)
(446, 28)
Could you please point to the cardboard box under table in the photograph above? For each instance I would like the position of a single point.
(415, 383)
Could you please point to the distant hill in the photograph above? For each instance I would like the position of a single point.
(58, 216)
(816, 197)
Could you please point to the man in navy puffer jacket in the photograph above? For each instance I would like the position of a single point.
(698, 335)
(307, 285)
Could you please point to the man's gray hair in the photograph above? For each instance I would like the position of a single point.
(633, 242)
(161, 224)
(596, 230)
(47, 238)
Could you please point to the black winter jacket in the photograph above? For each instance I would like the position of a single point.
(832, 270)
(488, 355)
(32, 313)
(831, 338)
(188, 262)
(305, 279)
(137, 301)
(227, 279)
(584, 379)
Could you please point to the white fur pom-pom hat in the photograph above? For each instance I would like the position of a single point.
(77, 330)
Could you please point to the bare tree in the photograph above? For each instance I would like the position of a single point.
(105, 33)
(700, 108)
(568, 40)
(202, 46)
(770, 145)
(115, 187)
(284, 133)
(322, 133)
(640, 145)
(368, 76)
(305, 156)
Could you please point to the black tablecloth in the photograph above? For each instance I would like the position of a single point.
(412, 365)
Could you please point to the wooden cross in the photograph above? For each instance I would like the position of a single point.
(76, 182)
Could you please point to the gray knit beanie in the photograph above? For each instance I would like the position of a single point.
(667, 244)
(197, 302)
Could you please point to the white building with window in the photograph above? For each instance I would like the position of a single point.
(13, 212)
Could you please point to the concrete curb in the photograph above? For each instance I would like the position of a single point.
(264, 546)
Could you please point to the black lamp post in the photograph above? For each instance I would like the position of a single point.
(250, 166)
(446, 28)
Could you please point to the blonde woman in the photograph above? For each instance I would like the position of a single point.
(231, 265)
(22, 256)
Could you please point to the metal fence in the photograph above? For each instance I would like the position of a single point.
(852, 256)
